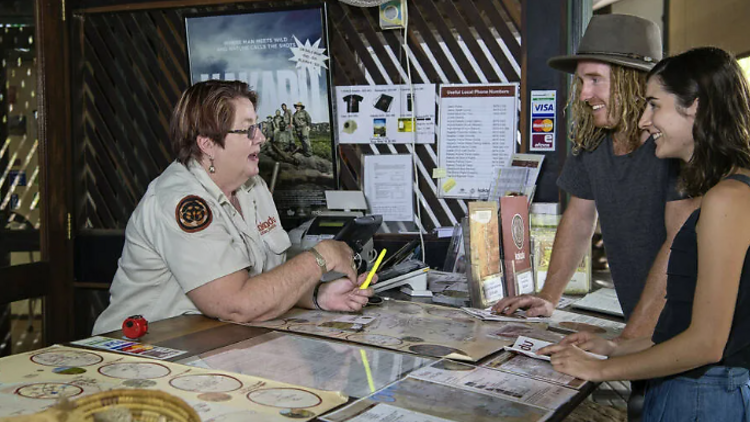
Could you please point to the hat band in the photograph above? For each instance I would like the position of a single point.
(647, 59)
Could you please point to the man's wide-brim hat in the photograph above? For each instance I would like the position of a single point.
(299, 104)
(624, 40)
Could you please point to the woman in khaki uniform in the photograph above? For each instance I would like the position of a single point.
(206, 236)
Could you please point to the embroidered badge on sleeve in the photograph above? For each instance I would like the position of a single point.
(193, 214)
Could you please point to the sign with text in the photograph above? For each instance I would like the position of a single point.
(478, 130)
(543, 116)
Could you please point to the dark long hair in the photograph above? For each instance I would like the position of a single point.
(722, 122)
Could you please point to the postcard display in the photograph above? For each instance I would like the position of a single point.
(514, 217)
(484, 271)
(31, 382)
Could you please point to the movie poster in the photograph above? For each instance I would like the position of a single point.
(283, 56)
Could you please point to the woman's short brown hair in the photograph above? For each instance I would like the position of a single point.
(205, 109)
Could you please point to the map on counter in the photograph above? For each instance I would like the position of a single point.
(569, 322)
(414, 399)
(424, 329)
(31, 382)
(533, 368)
(312, 362)
(497, 383)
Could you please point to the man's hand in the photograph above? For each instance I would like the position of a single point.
(339, 257)
(590, 342)
(534, 305)
(343, 295)
(571, 360)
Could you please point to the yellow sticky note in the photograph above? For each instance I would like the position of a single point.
(439, 172)
(449, 184)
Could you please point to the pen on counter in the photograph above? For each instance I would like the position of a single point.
(374, 270)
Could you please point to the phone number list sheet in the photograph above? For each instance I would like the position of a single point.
(478, 129)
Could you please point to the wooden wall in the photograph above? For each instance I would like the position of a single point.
(719, 23)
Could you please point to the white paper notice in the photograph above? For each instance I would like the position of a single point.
(525, 282)
(382, 114)
(528, 346)
(388, 186)
(493, 288)
(478, 129)
(603, 300)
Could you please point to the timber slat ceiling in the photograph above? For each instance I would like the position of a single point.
(133, 66)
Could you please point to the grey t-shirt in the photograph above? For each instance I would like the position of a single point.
(630, 192)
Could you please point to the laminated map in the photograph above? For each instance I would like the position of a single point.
(31, 382)
(424, 329)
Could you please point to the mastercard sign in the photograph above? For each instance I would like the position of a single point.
(543, 125)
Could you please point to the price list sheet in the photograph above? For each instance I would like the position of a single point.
(478, 128)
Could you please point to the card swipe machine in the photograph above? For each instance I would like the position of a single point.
(357, 232)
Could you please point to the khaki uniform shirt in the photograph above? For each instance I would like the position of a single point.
(184, 234)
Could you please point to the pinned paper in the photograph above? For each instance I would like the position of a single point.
(439, 172)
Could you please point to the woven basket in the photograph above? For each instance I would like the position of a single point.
(144, 405)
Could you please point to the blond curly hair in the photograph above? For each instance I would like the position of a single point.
(627, 90)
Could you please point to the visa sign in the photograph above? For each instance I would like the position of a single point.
(546, 107)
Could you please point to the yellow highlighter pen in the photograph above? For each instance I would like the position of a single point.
(373, 270)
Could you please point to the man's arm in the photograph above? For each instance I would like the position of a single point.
(235, 297)
(646, 313)
(572, 240)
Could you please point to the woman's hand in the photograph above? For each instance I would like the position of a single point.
(591, 343)
(339, 257)
(571, 360)
(343, 295)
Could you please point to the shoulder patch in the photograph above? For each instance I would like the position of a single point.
(193, 214)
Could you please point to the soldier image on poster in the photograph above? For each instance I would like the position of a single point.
(302, 123)
(287, 117)
(275, 146)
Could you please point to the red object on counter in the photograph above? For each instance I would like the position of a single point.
(135, 327)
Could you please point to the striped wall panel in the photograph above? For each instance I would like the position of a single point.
(131, 66)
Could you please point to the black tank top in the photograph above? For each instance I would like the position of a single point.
(682, 275)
